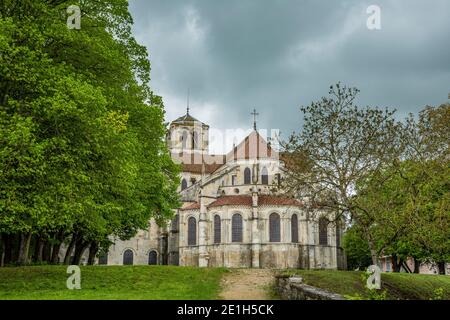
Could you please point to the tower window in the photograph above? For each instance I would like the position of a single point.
(323, 231)
(278, 179)
(195, 140)
(247, 176)
(217, 229)
(184, 139)
(103, 258)
(294, 228)
(236, 228)
(192, 231)
(128, 257)
(264, 176)
(152, 257)
(274, 228)
(183, 184)
(338, 234)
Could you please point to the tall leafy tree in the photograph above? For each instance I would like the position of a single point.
(409, 200)
(356, 249)
(82, 151)
(339, 146)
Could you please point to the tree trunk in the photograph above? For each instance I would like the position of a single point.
(406, 266)
(396, 263)
(7, 257)
(46, 251)
(57, 248)
(24, 248)
(80, 247)
(416, 265)
(15, 245)
(33, 247)
(93, 249)
(2, 250)
(373, 251)
(68, 255)
(441, 267)
(38, 248)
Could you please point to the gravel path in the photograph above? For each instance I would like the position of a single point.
(247, 284)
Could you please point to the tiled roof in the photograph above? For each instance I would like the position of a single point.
(191, 206)
(232, 200)
(262, 200)
(278, 201)
(252, 147)
(197, 168)
(192, 162)
(187, 118)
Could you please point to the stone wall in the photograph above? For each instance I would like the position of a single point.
(293, 288)
(141, 245)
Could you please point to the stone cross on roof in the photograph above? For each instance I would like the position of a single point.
(187, 107)
(254, 114)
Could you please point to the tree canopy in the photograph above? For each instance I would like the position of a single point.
(387, 178)
(82, 150)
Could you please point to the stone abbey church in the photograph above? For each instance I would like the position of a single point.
(233, 214)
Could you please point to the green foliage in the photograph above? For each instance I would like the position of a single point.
(398, 286)
(81, 134)
(340, 143)
(389, 178)
(438, 294)
(371, 294)
(356, 249)
(410, 200)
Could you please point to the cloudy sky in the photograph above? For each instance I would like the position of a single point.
(277, 55)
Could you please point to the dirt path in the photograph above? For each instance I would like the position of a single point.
(247, 284)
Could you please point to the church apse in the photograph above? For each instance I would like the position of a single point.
(234, 213)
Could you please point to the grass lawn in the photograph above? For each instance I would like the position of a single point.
(397, 285)
(111, 282)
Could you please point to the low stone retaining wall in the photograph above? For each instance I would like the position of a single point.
(293, 288)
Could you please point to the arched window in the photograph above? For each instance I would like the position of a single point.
(217, 229)
(103, 258)
(264, 176)
(278, 176)
(184, 139)
(192, 231)
(236, 228)
(338, 234)
(323, 231)
(183, 184)
(274, 227)
(128, 257)
(195, 140)
(247, 176)
(152, 257)
(294, 228)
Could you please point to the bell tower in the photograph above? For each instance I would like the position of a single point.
(188, 135)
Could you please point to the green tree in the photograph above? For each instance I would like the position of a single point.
(410, 199)
(356, 249)
(339, 146)
(82, 153)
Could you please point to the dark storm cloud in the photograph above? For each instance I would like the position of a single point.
(278, 55)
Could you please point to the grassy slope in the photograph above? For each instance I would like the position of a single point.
(398, 285)
(111, 282)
